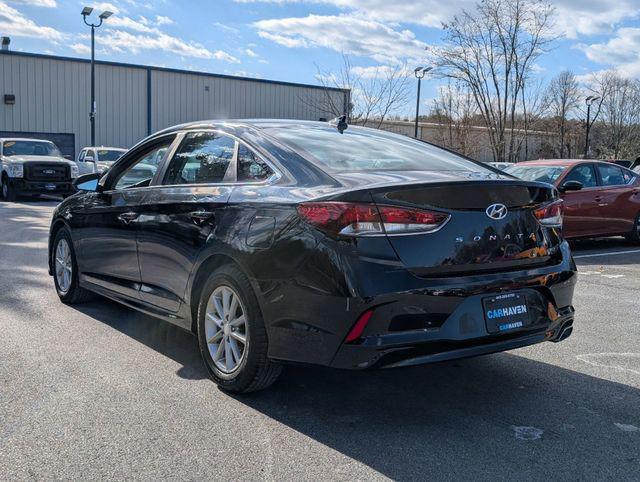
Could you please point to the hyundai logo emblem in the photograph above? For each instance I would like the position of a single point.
(497, 211)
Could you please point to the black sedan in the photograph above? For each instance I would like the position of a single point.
(287, 241)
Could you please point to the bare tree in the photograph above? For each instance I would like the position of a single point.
(454, 110)
(375, 93)
(492, 51)
(563, 97)
(619, 129)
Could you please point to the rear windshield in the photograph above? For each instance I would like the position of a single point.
(367, 150)
(29, 148)
(546, 174)
(105, 155)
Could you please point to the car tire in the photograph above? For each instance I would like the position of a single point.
(634, 235)
(8, 193)
(234, 366)
(64, 260)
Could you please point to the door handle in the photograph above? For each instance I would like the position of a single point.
(126, 218)
(200, 217)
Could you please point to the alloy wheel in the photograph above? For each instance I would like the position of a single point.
(64, 265)
(226, 329)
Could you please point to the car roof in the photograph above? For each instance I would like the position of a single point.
(234, 124)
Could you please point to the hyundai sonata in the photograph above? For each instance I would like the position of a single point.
(288, 241)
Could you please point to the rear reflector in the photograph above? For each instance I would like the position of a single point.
(355, 219)
(550, 214)
(359, 327)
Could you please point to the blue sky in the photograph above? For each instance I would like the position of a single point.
(290, 39)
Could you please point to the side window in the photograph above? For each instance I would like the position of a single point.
(611, 175)
(250, 167)
(628, 176)
(202, 158)
(81, 156)
(141, 172)
(585, 174)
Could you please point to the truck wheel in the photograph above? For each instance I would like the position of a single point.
(8, 193)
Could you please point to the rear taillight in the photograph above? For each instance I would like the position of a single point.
(551, 214)
(355, 219)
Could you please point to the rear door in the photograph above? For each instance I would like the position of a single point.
(472, 241)
(581, 207)
(182, 210)
(617, 201)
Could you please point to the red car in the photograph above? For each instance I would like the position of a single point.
(600, 198)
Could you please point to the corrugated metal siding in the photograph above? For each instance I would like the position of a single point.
(53, 95)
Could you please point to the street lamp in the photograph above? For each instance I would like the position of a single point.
(419, 73)
(589, 100)
(86, 11)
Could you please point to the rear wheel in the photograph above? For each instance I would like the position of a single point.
(231, 334)
(634, 235)
(65, 270)
(8, 193)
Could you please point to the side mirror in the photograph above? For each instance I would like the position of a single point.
(571, 186)
(89, 159)
(87, 182)
(67, 157)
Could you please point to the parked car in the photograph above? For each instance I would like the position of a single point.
(288, 241)
(600, 198)
(34, 166)
(97, 159)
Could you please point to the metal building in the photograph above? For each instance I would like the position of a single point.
(49, 97)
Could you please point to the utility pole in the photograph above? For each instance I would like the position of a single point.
(86, 11)
(419, 73)
(589, 100)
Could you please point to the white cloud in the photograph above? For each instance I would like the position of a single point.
(250, 53)
(14, 23)
(573, 17)
(37, 3)
(162, 20)
(123, 41)
(80, 49)
(621, 52)
(376, 71)
(344, 33)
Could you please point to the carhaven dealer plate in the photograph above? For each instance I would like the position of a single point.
(506, 312)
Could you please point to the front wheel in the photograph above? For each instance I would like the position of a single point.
(634, 235)
(8, 193)
(231, 334)
(65, 270)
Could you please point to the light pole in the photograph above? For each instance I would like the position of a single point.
(86, 11)
(419, 73)
(589, 100)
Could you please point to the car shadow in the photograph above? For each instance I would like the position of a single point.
(492, 417)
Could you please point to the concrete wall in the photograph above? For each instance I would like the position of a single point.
(53, 96)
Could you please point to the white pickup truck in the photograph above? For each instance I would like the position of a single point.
(34, 166)
(97, 159)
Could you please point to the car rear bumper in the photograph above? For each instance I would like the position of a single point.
(24, 187)
(424, 321)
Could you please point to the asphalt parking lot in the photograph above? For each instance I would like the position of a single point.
(99, 391)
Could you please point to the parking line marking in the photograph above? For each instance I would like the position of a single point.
(613, 253)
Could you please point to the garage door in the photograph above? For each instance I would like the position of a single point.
(65, 142)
